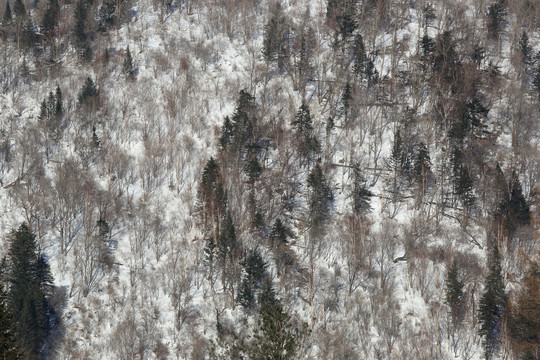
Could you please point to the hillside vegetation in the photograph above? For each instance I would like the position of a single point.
(253, 179)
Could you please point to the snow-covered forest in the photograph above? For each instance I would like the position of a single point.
(262, 179)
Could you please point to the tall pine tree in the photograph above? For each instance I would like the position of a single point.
(492, 305)
(8, 17)
(31, 282)
(127, 67)
(320, 196)
(9, 350)
(454, 294)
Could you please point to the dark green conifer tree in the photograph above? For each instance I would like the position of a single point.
(302, 121)
(227, 244)
(245, 296)
(8, 16)
(243, 121)
(212, 198)
(277, 336)
(525, 49)
(398, 153)
(279, 232)
(320, 196)
(59, 105)
(31, 282)
(445, 57)
(346, 100)
(361, 195)
(227, 133)
(274, 40)
(492, 305)
(29, 38)
(422, 163)
(9, 350)
(359, 54)
(463, 184)
(88, 93)
(79, 31)
(513, 206)
(536, 81)
(253, 169)
(127, 67)
(254, 267)
(50, 17)
(495, 18)
(19, 9)
(304, 64)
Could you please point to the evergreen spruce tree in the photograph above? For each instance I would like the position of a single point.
(253, 169)
(308, 144)
(302, 121)
(463, 184)
(267, 296)
(279, 232)
(44, 111)
(346, 100)
(50, 17)
(273, 40)
(29, 38)
(320, 196)
(127, 67)
(359, 54)
(20, 10)
(8, 16)
(536, 81)
(107, 15)
(495, 18)
(245, 296)
(371, 74)
(500, 189)
(341, 16)
(227, 133)
(304, 64)
(277, 336)
(525, 49)
(398, 154)
(361, 195)
(454, 294)
(79, 31)
(422, 163)
(212, 198)
(492, 306)
(227, 244)
(209, 257)
(428, 47)
(254, 267)
(513, 206)
(242, 120)
(445, 57)
(88, 93)
(31, 281)
(9, 350)
(59, 105)
(254, 273)
(210, 177)
(25, 69)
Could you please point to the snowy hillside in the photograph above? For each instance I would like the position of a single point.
(250, 179)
